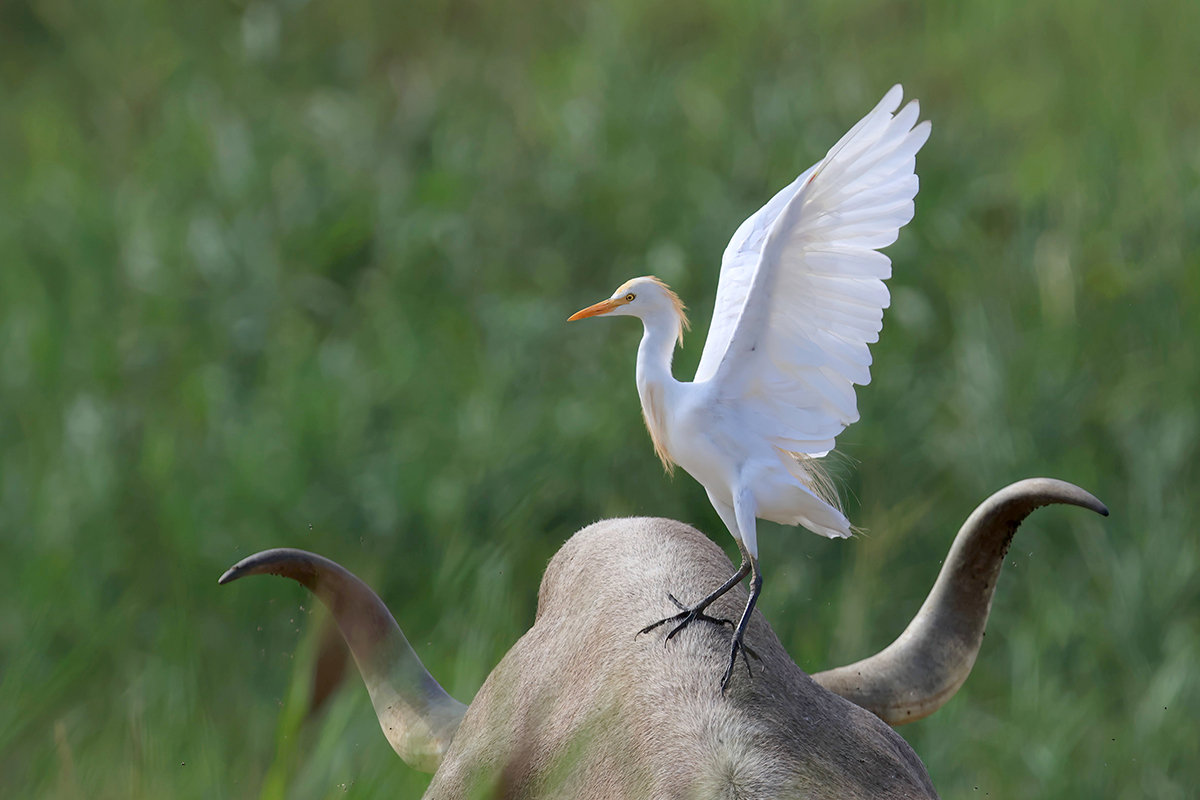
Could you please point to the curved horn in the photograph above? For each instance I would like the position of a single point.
(916, 674)
(417, 716)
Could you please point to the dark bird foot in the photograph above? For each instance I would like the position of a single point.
(685, 617)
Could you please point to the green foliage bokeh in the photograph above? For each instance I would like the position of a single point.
(296, 273)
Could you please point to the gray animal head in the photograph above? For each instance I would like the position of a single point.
(581, 707)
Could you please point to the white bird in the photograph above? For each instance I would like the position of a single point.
(800, 297)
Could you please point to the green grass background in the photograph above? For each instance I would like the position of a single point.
(296, 273)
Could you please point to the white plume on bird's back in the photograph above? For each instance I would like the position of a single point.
(800, 297)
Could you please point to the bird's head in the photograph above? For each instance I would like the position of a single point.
(646, 298)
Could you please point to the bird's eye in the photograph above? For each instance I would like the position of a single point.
(629, 297)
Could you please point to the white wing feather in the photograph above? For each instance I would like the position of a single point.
(801, 292)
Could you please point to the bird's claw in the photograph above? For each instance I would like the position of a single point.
(685, 617)
(690, 615)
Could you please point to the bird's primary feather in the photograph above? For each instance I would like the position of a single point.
(801, 291)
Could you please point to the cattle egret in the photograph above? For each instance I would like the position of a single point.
(800, 297)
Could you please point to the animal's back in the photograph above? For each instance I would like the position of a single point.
(581, 707)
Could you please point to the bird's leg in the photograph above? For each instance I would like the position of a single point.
(739, 632)
(745, 517)
(687, 616)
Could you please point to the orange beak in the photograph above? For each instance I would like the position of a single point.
(603, 307)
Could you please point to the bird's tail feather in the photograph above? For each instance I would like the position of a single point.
(813, 475)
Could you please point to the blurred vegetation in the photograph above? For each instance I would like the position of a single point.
(296, 273)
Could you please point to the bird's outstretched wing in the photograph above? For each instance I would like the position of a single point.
(801, 293)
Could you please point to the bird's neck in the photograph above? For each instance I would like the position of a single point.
(657, 350)
(655, 382)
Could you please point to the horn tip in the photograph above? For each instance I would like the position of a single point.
(1052, 490)
(286, 562)
(1085, 499)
